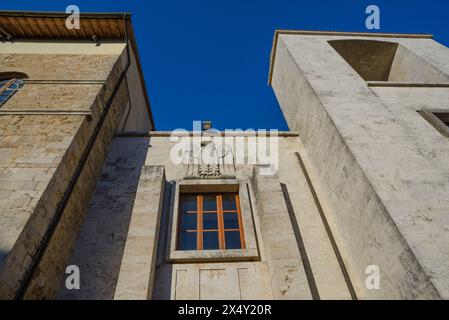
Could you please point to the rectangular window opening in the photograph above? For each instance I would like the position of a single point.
(210, 221)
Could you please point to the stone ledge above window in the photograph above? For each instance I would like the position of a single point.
(249, 253)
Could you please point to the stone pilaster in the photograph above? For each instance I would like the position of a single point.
(288, 278)
(136, 275)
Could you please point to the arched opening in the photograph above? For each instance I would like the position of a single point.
(372, 60)
(13, 75)
(377, 60)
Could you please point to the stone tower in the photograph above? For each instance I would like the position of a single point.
(372, 112)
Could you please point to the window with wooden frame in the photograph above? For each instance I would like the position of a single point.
(8, 87)
(210, 221)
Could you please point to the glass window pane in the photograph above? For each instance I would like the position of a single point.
(210, 241)
(232, 239)
(229, 202)
(188, 203)
(17, 84)
(210, 221)
(209, 203)
(188, 221)
(231, 220)
(187, 241)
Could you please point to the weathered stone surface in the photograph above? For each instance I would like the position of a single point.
(182, 281)
(46, 280)
(60, 66)
(287, 274)
(39, 154)
(30, 151)
(54, 97)
(214, 282)
(101, 242)
(138, 265)
(375, 161)
(377, 170)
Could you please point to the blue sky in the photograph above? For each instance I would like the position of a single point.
(208, 59)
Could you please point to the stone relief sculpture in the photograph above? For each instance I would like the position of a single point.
(210, 160)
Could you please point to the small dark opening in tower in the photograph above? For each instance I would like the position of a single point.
(439, 120)
(376, 60)
(371, 59)
(444, 117)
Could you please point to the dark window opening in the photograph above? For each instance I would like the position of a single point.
(439, 120)
(210, 221)
(376, 60)
(444, 117)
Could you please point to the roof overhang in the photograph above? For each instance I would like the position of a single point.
(52, 25)
(335, 33)
(26, 25)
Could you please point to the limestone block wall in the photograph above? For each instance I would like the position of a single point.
(280, 273)
(211, 280)
(101, 242)
(112, 254)
(30, 185)
(55, 66)
(46, 280)
(377, 165)
(39, 155)
(136, 277)
(63, 97)
(287, 274)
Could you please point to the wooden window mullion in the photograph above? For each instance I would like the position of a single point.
(199, 221)
(239, 214)
(7, 85)
(220, 230)
(221, 237)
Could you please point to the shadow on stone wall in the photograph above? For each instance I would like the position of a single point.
(164, 270)
(3, 255)
(101, 242)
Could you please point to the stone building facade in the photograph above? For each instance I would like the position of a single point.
(359, 183)
(55, 135)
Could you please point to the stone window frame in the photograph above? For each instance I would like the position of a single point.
(249, 253)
